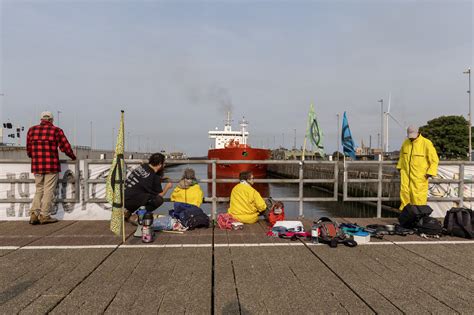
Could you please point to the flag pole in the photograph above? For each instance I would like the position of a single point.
(124, 174)
(304, 148)
(305, 137)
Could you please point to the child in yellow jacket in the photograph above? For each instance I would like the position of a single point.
(188, 190)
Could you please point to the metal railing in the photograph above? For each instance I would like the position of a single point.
(88, 185)
(68, 178)
(379, 198)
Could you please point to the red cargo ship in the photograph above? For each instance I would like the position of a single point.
(232, 145)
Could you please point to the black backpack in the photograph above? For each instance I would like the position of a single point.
(193, 218)
(459, 222)
(411, 215)
(429, 226)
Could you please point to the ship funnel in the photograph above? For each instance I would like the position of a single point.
(228, 121)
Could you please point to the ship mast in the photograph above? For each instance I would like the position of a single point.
(243, 125)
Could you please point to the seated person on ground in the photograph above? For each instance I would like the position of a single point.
(246, 204)
(143, 186)
(188, 190)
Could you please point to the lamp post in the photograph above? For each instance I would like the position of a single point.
(294, 142)
(91, 135)
(59, 112)
(381, 127)
(337, 136)
(468, 72)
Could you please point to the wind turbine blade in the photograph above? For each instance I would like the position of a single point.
(389, 102)
(395, 120)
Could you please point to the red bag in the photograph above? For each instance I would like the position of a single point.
(276, 213)
(225, 220)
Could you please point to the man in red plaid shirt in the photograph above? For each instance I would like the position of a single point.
(42, 145)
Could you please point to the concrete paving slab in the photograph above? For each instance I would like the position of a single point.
(391, 279)
(83, 233)
(279, 280)
(21, 233)
(458, 258)
(146, 280)
(4, 252)
(38, 279)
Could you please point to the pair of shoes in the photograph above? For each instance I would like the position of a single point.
(47, 219)
(34, 219)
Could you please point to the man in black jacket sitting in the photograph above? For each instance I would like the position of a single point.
(143, 186)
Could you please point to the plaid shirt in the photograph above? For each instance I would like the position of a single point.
(42, 147)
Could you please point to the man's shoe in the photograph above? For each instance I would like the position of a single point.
(133, 219)
(34, 219)
(126, 215)
(47, 219)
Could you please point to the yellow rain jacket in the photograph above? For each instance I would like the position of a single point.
(192, 195)
(417, 159)
(246, 203)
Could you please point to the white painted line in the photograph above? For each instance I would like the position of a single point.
(433, 242)
(298, 244)
(197, 245)
(167, 246)
(9, 247)
(259, 244)
(70, 247)
(377, 243)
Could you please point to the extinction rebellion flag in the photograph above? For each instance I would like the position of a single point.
(115, 182)
(348, 144)
(314, 132)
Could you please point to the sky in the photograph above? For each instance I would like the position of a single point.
(176, 67)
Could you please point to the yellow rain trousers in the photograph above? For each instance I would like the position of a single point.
(192, 195)
(246, 203)
(417, 159)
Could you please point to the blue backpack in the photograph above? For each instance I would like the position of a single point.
(190, 216)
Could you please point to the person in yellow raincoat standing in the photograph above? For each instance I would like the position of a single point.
(246, 204)
(188, 190)
(418, 162)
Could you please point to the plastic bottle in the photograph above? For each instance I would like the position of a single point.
(315, 234)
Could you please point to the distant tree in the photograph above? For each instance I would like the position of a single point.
(449, 135)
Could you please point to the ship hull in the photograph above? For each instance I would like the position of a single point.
(238, 153)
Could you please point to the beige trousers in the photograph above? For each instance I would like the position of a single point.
(45, 186)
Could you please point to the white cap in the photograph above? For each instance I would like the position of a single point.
(412, 132)
(46, 115)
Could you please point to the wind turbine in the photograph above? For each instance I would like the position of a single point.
(387, 114)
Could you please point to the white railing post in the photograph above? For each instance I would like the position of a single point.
(301, 188)
(214, 192)
(380, 190)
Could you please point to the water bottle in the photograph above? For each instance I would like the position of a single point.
(315, 234)
(147, 228)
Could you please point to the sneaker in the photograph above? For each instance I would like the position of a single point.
(34, 219)
(47, 219)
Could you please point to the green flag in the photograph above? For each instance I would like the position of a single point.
(314, 133)
(115, 182)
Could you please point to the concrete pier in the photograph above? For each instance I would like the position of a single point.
(80, 267)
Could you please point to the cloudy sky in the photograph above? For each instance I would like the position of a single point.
(176, 66)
